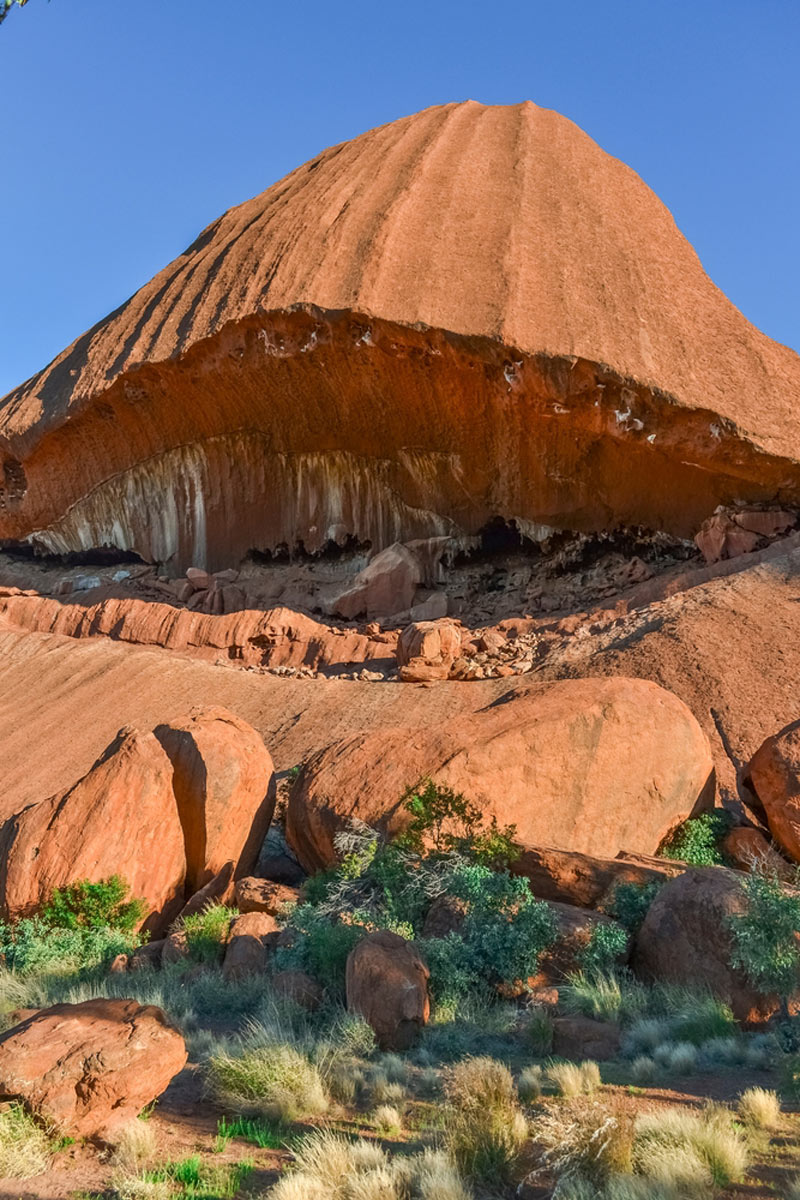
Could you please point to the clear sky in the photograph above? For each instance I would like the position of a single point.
(129, 126)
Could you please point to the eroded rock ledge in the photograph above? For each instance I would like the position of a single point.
(307, 427)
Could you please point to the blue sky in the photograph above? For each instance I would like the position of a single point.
(128, 127)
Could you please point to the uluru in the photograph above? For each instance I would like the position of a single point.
(473, 313)
(399, 614)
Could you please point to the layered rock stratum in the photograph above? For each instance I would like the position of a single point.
(469, 313)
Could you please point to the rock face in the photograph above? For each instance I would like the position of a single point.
(583, 880)
(88, 1068)
(120, 819)
(485, 351)
(588, 765)
(774, 774)
(263, 895)
(385, 586)
(387, 983)
(223, 783)
(685, 940)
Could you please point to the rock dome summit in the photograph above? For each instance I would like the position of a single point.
(468, 314)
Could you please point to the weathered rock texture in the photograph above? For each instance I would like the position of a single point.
(387, 984)
(686, 939)
(468, 312)
(590, 765)
(89, 1068)
(120, 819)
(223, 783)
(774, 774)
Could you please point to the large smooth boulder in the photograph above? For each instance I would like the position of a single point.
(589, 765)
(263, 895)
(119, 819)
(223, 783)
(426, 650)
(88, 1068)
(685, 939)
(774, 775)
(387, 984)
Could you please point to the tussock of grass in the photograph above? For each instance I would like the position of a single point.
(585, 1138)
(387, 1119)
(330, 1167)
(573, 1079)
(484, 1127)
(24, 1145)
(529, 1084)
(669, 1144)
(604, 996)
(759, 1108)
(135, 1147)
(394, 1068)
(644, 1069)
(539, 1031)
(429, 1081)
(275, 1081)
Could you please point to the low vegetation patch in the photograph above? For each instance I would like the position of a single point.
(699, 839)
(273, 1080)
(25, 1148)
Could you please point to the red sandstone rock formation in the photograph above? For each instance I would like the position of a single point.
(223, 783)
(469, 312)
(774, 774)
(88, 1068)
(589, 765)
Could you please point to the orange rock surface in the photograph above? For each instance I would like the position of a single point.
(469, 312)
(591, 765)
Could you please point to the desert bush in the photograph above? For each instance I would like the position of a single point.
(702, 1018)
(607, 943)
(207, 932)
(86, 905)
(586, 1139)
(32, 947)
(429, 1081)
(394, 1068)
(25, 1148)
(573, 1079)
(683, 1058)
(539, 1030)
(764, 943)
(444, 822)
(683, 1148)
(629, 903)
(644, 1069)
(725, 1051)
(698, 840)
(275, 1081)
(529, 1084)
(760, 1108)
(382, 1090)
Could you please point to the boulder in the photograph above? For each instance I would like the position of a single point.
(579, 1038)
(385, 586)
(176, 947)
(263, 895)
(223, 783)
(750, 850)
(148, 956)
(446, 915)
(774, 775)
(299, 987)
(730, 532)
(387, 984)
(247, 950)
(685, 940)
(89, 1068)
(589, 765)
(583, 880)
(119, 819)
(426, 650)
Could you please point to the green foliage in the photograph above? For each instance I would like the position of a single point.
(764, 942)
(207, 932)
(32, 945)
(697, 841)
(505, 931)
(321, 947)
(265, 1135)
(200, 1181)
(445, 822)
(86, 905)
(630, 903)
(607, 945)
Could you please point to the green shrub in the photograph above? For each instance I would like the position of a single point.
(445, 822)
(703, 1019)
(207, 932)
(604, 995)
(608, 943)
(764, 942)
(321, 947)
(86, 905)
(698, 840)
(630, 902)
(31, 946)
